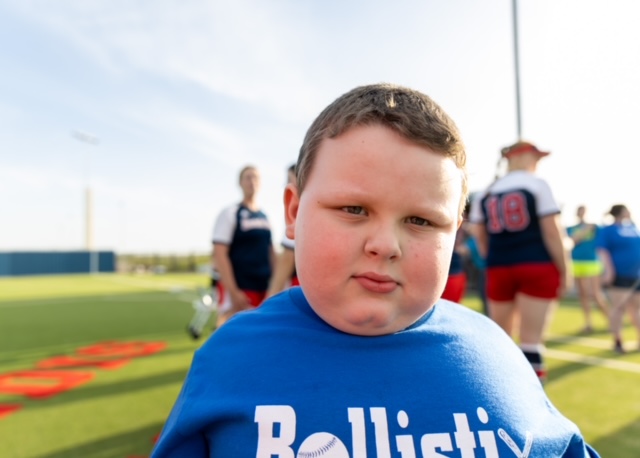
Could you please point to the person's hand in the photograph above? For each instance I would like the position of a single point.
(607, 277)
(239, 301)
(566, 283)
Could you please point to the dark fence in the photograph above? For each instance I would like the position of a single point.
(55, 262)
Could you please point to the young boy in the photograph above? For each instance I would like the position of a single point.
(363, 360)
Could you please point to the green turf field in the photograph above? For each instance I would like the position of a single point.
(120, 410)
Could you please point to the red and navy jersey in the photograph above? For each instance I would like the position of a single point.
(510, 211)
(248, 235)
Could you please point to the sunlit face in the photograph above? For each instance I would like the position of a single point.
(250, 182)
(374, 230)
(625, 213)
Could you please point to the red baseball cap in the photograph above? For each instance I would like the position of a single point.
(523, 147)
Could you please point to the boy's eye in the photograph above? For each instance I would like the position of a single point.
(354, 210)
(418, 221)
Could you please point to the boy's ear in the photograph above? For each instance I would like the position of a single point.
(291, 204)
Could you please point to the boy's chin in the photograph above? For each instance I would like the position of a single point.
(370, 327)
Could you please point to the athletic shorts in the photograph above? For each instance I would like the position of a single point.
(586, 269)
(455, 287)
(541, 280)
(625, 282)
(224, 301)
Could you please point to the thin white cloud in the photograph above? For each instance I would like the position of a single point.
(222, 46)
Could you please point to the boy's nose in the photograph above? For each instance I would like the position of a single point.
(383, 241)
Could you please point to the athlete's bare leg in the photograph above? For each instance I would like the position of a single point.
(599, 297)
(504, 314)
(583, 285)
(619, 298)
(535, 317)
(536, 314)
(634, 313)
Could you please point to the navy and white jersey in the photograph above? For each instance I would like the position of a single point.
(510, 211)
(278, 381)
(248, 235)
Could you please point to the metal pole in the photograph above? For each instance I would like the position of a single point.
(89, 242)
(516, 61)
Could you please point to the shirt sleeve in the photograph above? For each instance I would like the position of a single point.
(578, 448)
(180, 436)
(225, 225)
(601, 238)
(545, 200)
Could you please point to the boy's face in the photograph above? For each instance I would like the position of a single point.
(374, 230)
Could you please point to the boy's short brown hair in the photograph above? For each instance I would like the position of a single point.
(410, 113)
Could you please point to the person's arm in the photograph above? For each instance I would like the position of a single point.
(555, 237)
(579, 234)
(282, 273)
(239, 300)
(609, 270)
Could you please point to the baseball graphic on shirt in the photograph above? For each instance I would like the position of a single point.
(322, 445)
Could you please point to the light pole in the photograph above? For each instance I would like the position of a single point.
(516, 61)
(88, 209)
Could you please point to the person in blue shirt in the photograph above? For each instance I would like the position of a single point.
(587, 267)
(619, 247)
(364, 359)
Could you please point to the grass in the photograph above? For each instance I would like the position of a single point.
(120, 411)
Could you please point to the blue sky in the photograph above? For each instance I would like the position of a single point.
(182, 94)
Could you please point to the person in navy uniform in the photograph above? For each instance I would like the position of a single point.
(243, 252)
(518, 228)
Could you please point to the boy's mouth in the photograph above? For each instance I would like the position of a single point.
(376, 283)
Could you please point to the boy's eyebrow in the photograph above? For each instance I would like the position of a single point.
(363, 196)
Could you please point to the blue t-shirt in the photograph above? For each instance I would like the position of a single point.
(622, 241)
(278, 381)
(585, 249)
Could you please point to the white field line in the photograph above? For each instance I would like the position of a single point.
(164, 286)
(600, 344)
(606, 344)
(593, 360)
